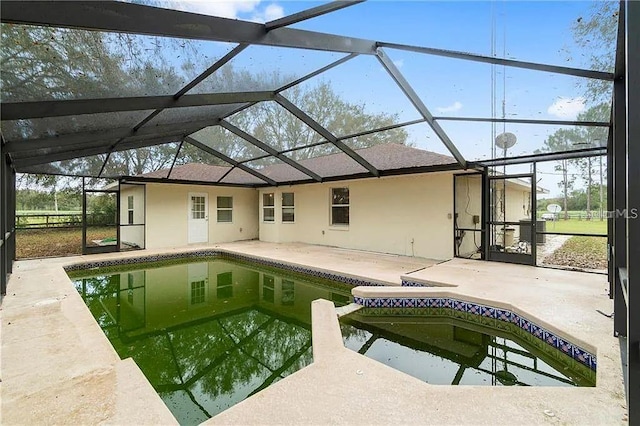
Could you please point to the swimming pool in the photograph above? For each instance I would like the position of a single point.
(207, 333)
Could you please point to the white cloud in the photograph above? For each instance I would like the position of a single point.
(271, 12)
(456, 106)
(567, 108)
(399, 63)
(225, 9)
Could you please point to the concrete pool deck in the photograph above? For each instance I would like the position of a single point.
(58, 367)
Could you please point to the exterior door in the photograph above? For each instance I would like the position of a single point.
(198, 218)
(511, 227)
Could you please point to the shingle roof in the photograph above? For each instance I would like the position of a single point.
(192, 171)
(383, 157)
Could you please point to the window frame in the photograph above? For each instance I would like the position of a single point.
(130, 210)
(221, 209)
(201, 201)
(332, 206)
(287, 207)
(271, 207)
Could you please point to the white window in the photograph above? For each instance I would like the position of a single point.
(130, 209)
(340, 206)
(197, 207)
(225, 209)
(288, 207)
(268, 207)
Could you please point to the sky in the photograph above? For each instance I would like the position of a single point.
(537, 31)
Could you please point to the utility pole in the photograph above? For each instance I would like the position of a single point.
(601, 210)
(589, 188)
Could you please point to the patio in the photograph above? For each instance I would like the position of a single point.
(44, 316)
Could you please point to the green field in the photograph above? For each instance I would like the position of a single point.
(593, 226)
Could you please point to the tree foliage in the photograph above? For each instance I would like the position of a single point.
(578, 138)
(41, 63)
(596, 33)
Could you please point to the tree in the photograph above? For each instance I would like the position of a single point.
(597, 33)
(52, 63)
(578, 138)
(271, 123)
(590, 137)
(562, 140)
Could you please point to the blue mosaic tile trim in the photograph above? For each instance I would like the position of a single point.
(408, 283)
(225, 255)
(579, 354)
(141, 259)
(300, 269)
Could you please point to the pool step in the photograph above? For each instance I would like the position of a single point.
(347, 309)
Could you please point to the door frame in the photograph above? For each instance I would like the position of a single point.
(99, 249)
(502, 256)
(190, 219)
(481, 230)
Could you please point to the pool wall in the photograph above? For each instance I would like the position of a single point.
(353, 280)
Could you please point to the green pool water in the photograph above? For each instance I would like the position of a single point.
(443, 350)
(208, 333)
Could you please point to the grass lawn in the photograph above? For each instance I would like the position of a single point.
(593, 226)
(49, 242)
(581, 252)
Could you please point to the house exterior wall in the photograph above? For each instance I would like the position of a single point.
(132, 234)
(469, 203)
(167, 212)
(517, 206)
(405, 215)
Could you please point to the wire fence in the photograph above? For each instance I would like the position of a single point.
(63, 220)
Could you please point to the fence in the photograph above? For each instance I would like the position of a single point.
(571, 215)
(63, 220)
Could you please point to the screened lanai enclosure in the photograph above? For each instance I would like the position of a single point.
(118, 94)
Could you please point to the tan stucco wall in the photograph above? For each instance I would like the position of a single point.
(386, 215)
(518, 203)
(469, 203)
(128, 233)
(167, 214)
